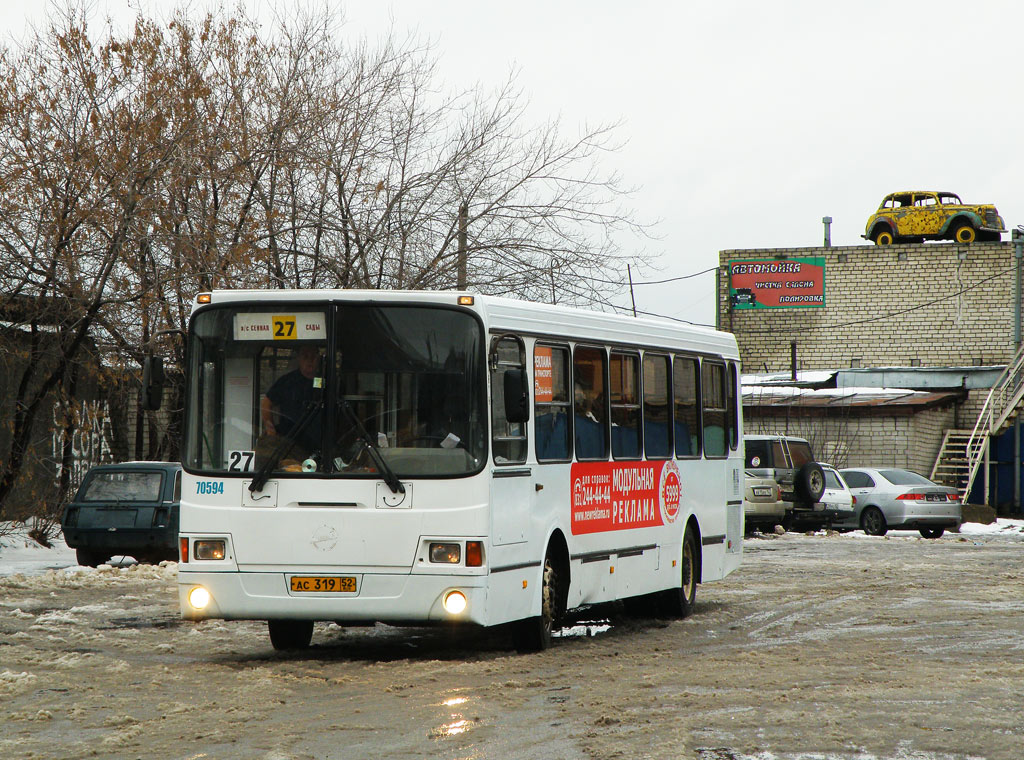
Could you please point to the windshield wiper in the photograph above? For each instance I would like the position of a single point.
(371, 448)
(287, 441)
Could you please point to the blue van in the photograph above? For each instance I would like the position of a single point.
(125, 509)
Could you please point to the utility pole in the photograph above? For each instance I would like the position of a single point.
(632, 298)
(1018, 253)
(140, 415)
(463, 224)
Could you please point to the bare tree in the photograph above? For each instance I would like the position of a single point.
(142, 167)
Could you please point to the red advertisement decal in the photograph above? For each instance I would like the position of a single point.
(542, 380)
(775, 284)
(624, 495)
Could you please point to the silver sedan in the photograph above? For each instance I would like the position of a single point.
(893, 498)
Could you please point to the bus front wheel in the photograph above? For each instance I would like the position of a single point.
(678, 602)
(534, 634)
(290, 634)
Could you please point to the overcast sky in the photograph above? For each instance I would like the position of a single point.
(744, 123)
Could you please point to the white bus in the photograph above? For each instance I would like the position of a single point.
(437, 457)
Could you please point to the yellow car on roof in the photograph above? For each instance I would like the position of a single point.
(914, 216)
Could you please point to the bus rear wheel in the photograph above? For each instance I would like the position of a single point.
(290, 634)
(679, 602)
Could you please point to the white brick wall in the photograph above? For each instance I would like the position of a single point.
(944, 304)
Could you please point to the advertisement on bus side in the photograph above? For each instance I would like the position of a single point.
(610, 496)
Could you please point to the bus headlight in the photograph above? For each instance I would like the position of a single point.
(446, 553)
(210, 549)
(455, 603)
(199, 598)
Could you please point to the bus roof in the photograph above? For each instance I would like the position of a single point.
(513, 315)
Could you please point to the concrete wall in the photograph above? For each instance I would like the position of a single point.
(885, 306)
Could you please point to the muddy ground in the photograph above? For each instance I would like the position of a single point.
(838, 646)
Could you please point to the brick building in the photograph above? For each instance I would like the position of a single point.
(939, 318)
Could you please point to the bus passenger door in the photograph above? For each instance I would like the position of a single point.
(511, 479)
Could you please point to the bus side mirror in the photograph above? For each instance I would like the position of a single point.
(517, 397)
(152, 383)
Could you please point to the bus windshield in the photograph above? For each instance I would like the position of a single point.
(332, 389)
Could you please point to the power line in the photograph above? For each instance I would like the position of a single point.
(662, 316)
(912, 308)
(888, 315)
(649, 282)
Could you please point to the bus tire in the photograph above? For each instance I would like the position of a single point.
(678, 602)
(290, 634)
(534, 633)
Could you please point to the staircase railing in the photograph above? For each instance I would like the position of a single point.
(1000, 404)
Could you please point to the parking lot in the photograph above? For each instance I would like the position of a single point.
(820, 646)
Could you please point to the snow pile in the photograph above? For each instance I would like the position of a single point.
(21, 554)
(11, 682)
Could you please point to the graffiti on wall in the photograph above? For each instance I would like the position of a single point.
(90, 436)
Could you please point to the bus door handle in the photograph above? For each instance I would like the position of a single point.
(539, 486)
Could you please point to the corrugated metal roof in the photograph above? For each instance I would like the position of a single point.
(853, 398)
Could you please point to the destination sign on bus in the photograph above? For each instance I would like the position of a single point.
(309, 325)
(624, 495)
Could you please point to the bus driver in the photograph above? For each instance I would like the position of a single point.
(287, 399)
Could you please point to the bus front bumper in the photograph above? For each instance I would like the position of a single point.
(387, 598)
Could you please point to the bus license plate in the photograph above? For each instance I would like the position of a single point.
(323, 583)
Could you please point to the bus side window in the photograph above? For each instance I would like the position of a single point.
(625, 405)
(552, 402)
(733, 409)
(713, 398)
(685, 394)
(508, 439)
(657, 408)
(590, 416)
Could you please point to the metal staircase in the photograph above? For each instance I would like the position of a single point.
(952, 466)
(961, 458)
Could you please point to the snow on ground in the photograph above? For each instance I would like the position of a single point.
(1003, 527)
(20, 554)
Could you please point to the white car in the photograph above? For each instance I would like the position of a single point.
(838, 500)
